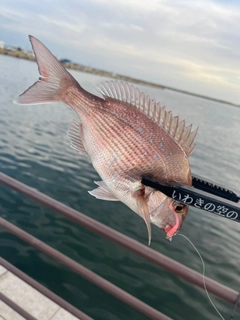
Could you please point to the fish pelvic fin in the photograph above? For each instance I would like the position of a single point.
(142, 204)
(53, 81)
(102, 192)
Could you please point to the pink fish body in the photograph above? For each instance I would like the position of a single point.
(126, 135)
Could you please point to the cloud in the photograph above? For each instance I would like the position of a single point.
(191, 45)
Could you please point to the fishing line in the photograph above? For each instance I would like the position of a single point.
(203, 274)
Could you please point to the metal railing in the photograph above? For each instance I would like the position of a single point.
(40, 288)
(16, 307)
(112, 235)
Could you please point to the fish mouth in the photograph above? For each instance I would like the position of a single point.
(172, 230)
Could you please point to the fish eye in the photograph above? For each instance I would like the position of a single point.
(180, 208)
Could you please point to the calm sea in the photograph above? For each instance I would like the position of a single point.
(34, 149)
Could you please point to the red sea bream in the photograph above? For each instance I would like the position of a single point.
(126, 135)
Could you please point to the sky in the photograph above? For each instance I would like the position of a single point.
(189, 45)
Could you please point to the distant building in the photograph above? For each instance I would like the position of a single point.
(2, 44)
(65, 61)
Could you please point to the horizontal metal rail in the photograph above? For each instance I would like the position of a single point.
(46, 292)
(157, 258)
(16, 307)
(84, 272)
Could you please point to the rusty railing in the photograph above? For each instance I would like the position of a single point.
(157, 258)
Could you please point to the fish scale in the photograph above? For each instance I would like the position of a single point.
(126, 135)
(113, 139)
(131, 147)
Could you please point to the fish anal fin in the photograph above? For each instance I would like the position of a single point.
(75, 136)
(102, 192)
(127, 93)
(142, 204)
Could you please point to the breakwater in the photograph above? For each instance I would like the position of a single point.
(75, 66)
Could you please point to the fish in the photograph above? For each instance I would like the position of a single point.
(126, 135)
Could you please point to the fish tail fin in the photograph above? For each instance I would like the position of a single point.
(54, 78)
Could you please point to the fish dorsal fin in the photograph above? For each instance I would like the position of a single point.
(129, 94)
(75, 136)
(102, 192)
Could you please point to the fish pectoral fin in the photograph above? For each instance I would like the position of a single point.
(75, 136)
(102, 192)
(142, 204)
(143, 210)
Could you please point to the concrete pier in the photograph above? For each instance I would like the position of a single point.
(29, 299)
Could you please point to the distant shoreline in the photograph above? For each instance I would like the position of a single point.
(78, 67)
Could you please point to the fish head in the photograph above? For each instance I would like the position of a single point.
(167, 213)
